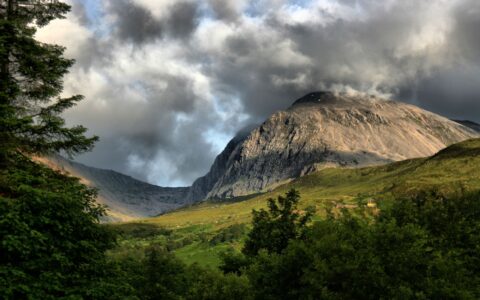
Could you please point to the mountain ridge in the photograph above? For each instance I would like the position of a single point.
(127, 198)
(320, 130)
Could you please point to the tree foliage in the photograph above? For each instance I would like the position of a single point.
(160, 275)
(31, 81)
(52, 245)
(421, 248)
(51, 242)
(273, 229)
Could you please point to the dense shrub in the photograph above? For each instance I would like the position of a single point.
(229, 234)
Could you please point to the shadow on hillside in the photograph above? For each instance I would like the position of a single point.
(138, 230)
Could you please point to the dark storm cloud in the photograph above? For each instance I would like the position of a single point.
(79, 10)
(465, 33)
(134, 23)
(147, 121)
(94, 53)
(165, 85)
(136, 133)
(385, 49)
(183, 19)
(454, 91)
(226, 10)
(454, 94)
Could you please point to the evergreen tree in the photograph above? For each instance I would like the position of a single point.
(31, 80)
(51, 242)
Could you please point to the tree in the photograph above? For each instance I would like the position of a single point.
(273, 229)
(159, 274)
(51, 242)
(31, 80)
(421, 248)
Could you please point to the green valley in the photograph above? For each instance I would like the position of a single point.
(453, 170)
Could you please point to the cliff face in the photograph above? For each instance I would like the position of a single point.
(126, 198)
(203, 185)
(323, 130)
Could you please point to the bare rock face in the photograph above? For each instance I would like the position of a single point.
(125, 197)
(323, 130)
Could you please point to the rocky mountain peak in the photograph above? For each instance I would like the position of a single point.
(316, 97)
(325, 129)
(328, 98)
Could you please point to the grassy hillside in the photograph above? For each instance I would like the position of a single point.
(454, 169)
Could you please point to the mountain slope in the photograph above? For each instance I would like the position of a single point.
(324, 130)
(126, 197)
(454, 169)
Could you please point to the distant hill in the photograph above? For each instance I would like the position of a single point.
(127, 198)
(322, 130)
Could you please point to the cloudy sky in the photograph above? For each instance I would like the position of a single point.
(169, 82)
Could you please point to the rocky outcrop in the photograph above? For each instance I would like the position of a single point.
(321, 130)
(203, 185)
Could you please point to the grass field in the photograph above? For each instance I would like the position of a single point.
(454, 169)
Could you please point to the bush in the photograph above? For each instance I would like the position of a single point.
(232, 233)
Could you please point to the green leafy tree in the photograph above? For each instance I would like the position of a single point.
(421, 248)
(159, 274)
(273, 229)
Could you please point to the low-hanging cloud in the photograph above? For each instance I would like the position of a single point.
(167, 83)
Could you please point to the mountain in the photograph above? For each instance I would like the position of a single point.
(469, 124)
(127, 198)
(320, 130)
